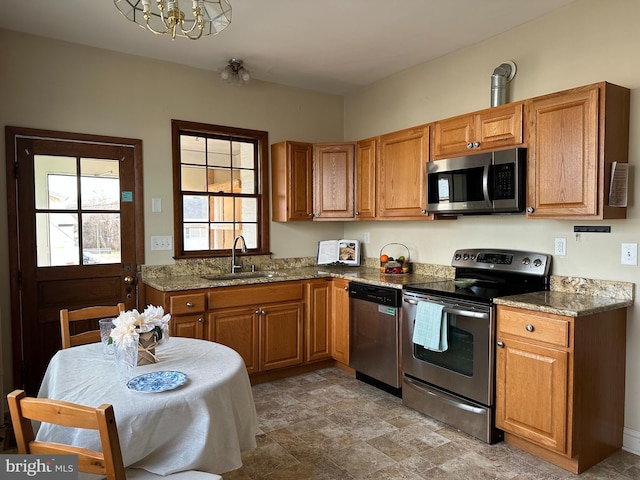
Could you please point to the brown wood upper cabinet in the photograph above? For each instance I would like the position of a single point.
(491, 129)
(574, 137)
(401, 172)
(365, 179)
(333, 181)
(292, 181)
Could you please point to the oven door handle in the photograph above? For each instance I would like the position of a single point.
(457, 311)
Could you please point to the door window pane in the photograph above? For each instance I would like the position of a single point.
(57, 239)
(99, 184)
(55, 182)
(100, 238)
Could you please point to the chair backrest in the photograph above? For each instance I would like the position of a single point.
(25, 409)
(88, 313)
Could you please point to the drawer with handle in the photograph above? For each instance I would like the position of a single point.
(190, 303)
(531, 325)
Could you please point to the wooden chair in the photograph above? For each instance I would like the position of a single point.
(88, 313)
(106, 463)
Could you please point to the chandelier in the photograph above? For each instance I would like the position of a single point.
(205, 17)
(235, 73)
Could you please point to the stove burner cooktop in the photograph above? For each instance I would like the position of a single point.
(485, 274)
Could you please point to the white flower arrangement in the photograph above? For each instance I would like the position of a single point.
(130, 324)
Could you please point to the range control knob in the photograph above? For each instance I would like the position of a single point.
(456, 256)
(537, 262)
(526, 261)
(465, 256)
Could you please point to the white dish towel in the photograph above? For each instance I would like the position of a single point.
(430, 328)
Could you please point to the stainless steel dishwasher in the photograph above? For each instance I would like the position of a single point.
(374, 333)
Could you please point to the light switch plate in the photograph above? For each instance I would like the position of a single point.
(629, 254)
(163, 242)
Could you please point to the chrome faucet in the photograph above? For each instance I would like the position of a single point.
(234, 267)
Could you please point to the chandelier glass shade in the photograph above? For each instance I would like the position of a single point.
(235, 73)
(197, 18)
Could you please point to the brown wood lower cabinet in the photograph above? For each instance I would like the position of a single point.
(560, 384)
(273, 326)
(187, 311)
(340, 320)
(317, 325)
(273, 315)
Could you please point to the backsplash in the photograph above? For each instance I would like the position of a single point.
(209, 266)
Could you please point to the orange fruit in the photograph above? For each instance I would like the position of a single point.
(384, 258)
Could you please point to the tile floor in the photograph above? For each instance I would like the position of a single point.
(328, 425)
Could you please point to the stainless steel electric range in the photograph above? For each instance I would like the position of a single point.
(456, 386)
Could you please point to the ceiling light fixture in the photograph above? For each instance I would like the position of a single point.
(206, 17)
(235, 73)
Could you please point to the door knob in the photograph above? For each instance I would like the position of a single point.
(128, 280)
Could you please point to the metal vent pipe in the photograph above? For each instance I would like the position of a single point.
(502, 75)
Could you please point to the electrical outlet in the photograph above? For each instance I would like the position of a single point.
(161, 242)
(561, 247)
(367, 237)
(629, 254)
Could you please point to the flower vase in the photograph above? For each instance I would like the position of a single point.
(126, 359)
(147, 348)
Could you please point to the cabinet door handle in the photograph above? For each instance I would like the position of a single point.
(263, 312)
(258, 312)
(476, 144)
(469, 145)
(529, 328)
(530, 209)
(346, 288)
(201, 320)
(500, 344)
(189, 304)
(423, 211)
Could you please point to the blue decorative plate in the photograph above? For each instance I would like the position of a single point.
(154, 382)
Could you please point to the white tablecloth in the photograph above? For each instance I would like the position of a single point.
(202, 425)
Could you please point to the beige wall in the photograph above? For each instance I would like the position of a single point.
(52, 85)
(586, 42)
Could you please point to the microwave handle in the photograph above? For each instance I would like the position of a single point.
(485, 181)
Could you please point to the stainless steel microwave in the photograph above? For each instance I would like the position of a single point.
(484, 183)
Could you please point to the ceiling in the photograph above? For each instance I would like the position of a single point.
(332, 46)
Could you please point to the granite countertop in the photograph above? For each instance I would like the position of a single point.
(569, 296)
(361, 274)
(564, 303)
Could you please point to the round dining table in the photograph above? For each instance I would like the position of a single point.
(201, 423)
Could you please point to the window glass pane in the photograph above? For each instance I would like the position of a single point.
(244, 181)
(195, 236)
(248, 210)
(57, 239)
(250, 233)
(55, 182)
(218, 153)
(222, 236)
(195, 208)
(194, 179)
(221, 209)
(100, 238)
(245, 156)
(99, 184)
(192, 150)
(219, 180)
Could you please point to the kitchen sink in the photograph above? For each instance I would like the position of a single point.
(243, 276)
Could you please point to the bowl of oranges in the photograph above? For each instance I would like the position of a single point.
(394, 259)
